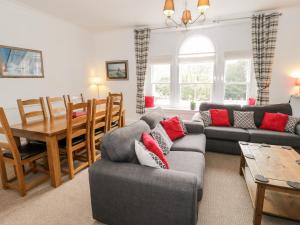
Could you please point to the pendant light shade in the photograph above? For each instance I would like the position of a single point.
(169, 8)
(186, 17)
(203, 5)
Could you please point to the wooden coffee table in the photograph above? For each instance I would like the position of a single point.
(271, 192)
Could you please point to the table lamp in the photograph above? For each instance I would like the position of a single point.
(97, 82)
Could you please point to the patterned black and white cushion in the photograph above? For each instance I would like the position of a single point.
(183, 125)
(159, 134)
(146, 157)
(205, 116)
(291, 124)
(244, 120)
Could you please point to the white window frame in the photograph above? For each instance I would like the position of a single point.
(201, 58)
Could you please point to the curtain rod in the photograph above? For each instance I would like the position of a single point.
(214, 21)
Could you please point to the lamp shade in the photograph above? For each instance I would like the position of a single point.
(186, 17)
(203, 5)
(95, 81)
(298, 82)
(169, 8)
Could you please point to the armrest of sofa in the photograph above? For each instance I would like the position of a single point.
(124, 193)
(298, 129)
(194, 127)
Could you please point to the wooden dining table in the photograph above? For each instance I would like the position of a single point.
(49, 131)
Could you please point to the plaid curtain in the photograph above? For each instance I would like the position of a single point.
(142, 38)
(264, 33)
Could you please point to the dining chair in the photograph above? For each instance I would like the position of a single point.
(78, 137)
(37, 106)
(57, 106)
(17, 155)
(115, 116)
(98, 125)
(75, 99)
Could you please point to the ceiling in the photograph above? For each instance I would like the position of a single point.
(99, 15)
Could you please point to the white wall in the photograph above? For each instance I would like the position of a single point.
(234, 37)
(67, 52)
(287, 58)
(72, 54)
(117, 45)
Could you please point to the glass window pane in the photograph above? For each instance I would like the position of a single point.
(160, 73)
(161, 91)
(236, 92)
(196, 72)
(237, 70)
(196, 92)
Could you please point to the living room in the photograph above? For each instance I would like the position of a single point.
(182, 60)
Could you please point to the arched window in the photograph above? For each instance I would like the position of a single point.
(197, 45)
(196, 70)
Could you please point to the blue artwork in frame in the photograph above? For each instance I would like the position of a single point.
(20, 63)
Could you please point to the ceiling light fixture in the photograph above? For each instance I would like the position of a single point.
(186, 19)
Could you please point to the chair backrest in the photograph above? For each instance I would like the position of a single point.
(99, 115)
(7, 142)
(78, 125)
(57, 106)
(115, 109)
(26, 115)
(75, 99)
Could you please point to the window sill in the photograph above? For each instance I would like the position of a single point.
(172, 109)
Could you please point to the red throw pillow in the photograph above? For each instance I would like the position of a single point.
(220, 117)
(274, 121)
(173, 128)
(153, 147)
(149, 101)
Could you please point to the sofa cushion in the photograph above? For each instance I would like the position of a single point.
(162, 138)
(274, 121)
(259, 111)
(147, 158)
(274, 137)
(220, 117)
(153, 147)
(152, 118)
(244, 120)
(173, 128)
(190, 143)
(292, 124)
(230, 108)
(227, 133)
(190, 162)
(118, 145)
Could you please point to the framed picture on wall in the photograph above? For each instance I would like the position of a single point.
(117, 70)
(20, 63)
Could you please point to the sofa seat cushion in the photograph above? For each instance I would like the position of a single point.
(274, 138)
(190, 162)
(190, 143)
(227, 133)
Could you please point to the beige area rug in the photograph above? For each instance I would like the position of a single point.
(226, 200)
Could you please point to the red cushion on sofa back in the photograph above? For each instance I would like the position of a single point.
(173, 128)
(274, 121)
(149, 101)
(153, 146)
(220, 117)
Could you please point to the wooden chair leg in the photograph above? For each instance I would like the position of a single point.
(3, 174)
(71, 164)
(33, 167)
(21, 179)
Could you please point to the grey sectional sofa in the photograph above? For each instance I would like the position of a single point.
(225, 139)
(126, 193)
